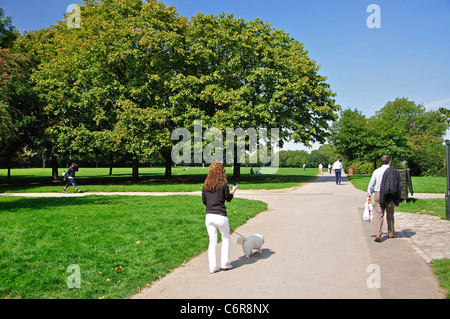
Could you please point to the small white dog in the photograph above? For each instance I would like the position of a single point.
(251, 242)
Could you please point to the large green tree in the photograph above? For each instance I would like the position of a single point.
(424, 130)
(17, 101)
(352, 135)
(245, 74)
(107, 86)
(401, 128)
(133, 72)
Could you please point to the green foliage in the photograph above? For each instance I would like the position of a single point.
(107, 87)
(136, 71)
(352, 124)
(325, 154)
(363, 168)
(293, 158)
(406, 131)
(7, 31)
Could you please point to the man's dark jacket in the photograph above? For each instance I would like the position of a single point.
(391, 186)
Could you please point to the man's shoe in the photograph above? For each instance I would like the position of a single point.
(377, 238)
(64, 191)
(79, 191)
(393, 236)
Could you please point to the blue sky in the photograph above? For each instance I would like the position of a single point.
(408, 56)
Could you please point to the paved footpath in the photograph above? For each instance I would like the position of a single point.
(316, 246)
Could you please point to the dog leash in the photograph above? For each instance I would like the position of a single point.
(236, 232)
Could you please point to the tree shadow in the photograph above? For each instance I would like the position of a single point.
(17, 203)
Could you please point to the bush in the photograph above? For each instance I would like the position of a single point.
(363, 168)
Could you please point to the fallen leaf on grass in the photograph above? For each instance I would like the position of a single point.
(138, 242)
(119, 269)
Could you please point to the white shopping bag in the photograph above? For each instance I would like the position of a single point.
(368, 212)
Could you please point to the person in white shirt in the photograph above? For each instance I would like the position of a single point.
(337, 168)
(373, 196)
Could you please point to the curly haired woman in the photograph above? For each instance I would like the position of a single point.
(214, 194)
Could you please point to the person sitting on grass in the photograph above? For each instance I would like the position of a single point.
(70, 174)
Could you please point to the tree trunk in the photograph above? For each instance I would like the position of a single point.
(110, 165)
(44, 158)
(135, 163)
(236, 166)
(168, 167)
(9, 169)
(54, 168)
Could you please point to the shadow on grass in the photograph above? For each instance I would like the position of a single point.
(274, 180)
(17, 203)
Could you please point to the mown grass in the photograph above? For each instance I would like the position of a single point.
(420, 184)
(145, 236)
(36, 180)
(435, 207)
(432, 206)
(441, 268)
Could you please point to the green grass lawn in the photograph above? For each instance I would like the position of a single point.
(441, 268)
(435, 207)
(36, 180)
(420, 184)
(145, 236)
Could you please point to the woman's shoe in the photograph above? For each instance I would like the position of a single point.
(214, 270)
(377, 238)
(227, 267)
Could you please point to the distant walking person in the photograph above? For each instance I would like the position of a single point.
(384, 193)
(337, 167)
(70, 175)
(214, 194)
